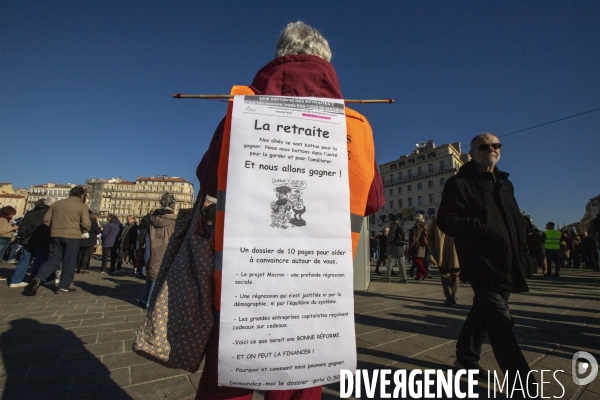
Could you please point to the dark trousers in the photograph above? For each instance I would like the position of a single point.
(83, 258)
(490, 316)
(552, 257)
(65, 250)
(382, 259)
(113, 253)
(123, 254)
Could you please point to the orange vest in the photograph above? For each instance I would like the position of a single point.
(361, 171)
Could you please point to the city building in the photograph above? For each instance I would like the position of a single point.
(6, 188)
(414, 183)
(16, 201)
(591, 210)
(59, 191)
(122, 198)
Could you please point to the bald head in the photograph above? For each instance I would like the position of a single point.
(485, 151)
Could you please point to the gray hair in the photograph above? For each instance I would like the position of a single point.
(49, 201)
(299, 38)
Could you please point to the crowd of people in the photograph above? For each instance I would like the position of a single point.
(479, 236)
(57, 239)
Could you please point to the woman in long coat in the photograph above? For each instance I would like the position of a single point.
(443, 254)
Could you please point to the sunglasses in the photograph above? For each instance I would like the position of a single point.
(486, 147)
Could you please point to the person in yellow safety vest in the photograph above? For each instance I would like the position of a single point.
(552, 246)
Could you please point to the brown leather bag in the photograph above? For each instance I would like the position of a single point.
(180, 316)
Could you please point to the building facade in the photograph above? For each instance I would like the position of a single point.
(591, 210)
(59, 191)
(414, 183)
(122, 198)
(16, 201)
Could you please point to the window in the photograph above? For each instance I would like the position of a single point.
(409, 173)
(430, 166)
(383, 180)
(400, 203)
(442, 181)
(431, 155)
(421, 158)
(410, 203)
(392, 204)
(431, 199)
(419, 171)
(400, 189)
(391, 191)
(399, 176)
(409, 188)
(391, 178)
(430, 184)
(420, 200)
(442, 166)
(419, 186)
(411, 161)
(402, 163)
(393, 166)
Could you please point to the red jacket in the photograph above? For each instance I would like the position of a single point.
(296, 75)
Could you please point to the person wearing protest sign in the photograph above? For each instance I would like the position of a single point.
(301, 68)
(479, 210)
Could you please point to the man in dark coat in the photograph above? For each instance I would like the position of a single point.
(32, 221)
(479, 210)
(111, 237)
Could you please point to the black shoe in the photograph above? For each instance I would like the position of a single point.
(67, 290)
(450, 302)
(394, 274)
(410, 273)
(32, 288)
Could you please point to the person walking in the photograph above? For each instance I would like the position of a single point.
(417, 247)
(86, 248)
(535, 244)
(162, 226)
(479, 210)
(111, 236)
(396, 240)
(68, 219)
(32, 222)
(382, 239)
(127, 245)
(443, 254)
(552, 246)
(6, 231)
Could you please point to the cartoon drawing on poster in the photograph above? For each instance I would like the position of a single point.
(289, 206)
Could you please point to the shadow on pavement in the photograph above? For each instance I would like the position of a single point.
(44, 361)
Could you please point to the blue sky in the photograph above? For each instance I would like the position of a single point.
(85, 86)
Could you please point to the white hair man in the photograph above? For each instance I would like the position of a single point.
(479, 210)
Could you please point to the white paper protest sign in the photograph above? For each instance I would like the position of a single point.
(287, 307)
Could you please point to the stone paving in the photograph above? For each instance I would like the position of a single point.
(78, 345)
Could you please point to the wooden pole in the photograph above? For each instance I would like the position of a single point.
(228, 96)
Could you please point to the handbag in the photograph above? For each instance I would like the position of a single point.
(180, 315)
